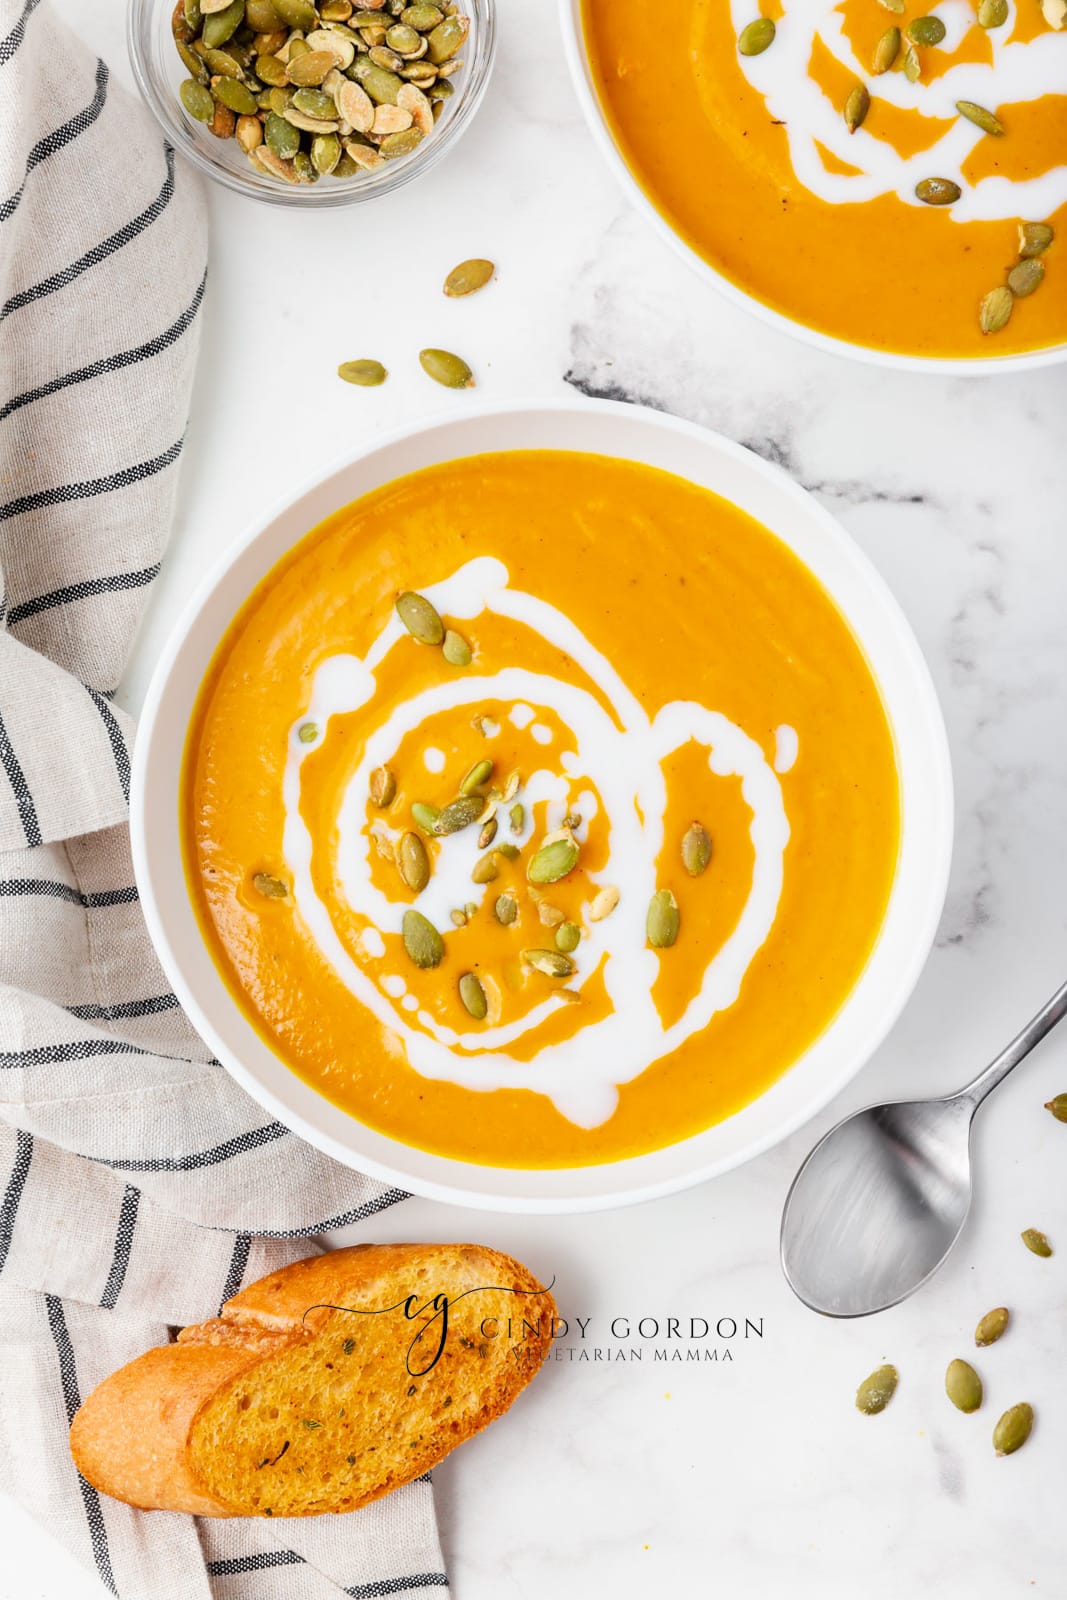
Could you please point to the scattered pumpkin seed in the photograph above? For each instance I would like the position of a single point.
(470, 908)
(937, 191)
(307, 732)
(1036, 1241)
(980, 117)
(548, 915)
(458, 814)
(1058, 1106)
(1013, 1429)
(197, 100)
(468, 277)
(447, 369)
(992, 1327)
(756, 37)
(422, 941)
(963, 1386)
(992, 13)
(1025, 277)
(553, 963)
(488, 834)
(473, 996)
(896, 6)
(517, 817)
(506, 908)
(458, 918)
(382, 787)
(509, 851)
(477, 777)
(696, 849)
(662, 921)
(568, 937)
(413, 862)
(856, 107)
(886, 51)
(553, 861)
(995, 310)
(487, 868)
(1034, 239)
(419, 617)
(455, 649)
(365, 372)
(425, 816)
(875, 1392)
(926, 30)
(604, 903)
(270, 888)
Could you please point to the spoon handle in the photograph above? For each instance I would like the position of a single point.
(1051, 1012)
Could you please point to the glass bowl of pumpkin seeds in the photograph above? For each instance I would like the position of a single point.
(312, 102)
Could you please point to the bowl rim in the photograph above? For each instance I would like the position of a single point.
(142, 14)
(457, 1186)
(570, 15)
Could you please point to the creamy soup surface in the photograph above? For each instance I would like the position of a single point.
(797, 171)
(661, 705)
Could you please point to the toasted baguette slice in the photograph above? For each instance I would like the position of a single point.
(287, 1405)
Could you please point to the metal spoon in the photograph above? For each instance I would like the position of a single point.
(881, 1199)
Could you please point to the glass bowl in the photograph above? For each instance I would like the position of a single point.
(158, 70)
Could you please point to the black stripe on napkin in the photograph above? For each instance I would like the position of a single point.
(120, 1260)
(68, 1377)
(9, 45)
(386, 1586)
(115, 363)
(21, 790)
(63, 493)
(59, 137)
(87, 589)
(202, 1158)
(13, 1193)
(76, 1050)
(101, 251)
(18, 888)
(234, 1566)
(125, 1010)
(238, 1263)
(369, 1208)
(118, 743)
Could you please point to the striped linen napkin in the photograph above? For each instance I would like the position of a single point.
(139, 1186)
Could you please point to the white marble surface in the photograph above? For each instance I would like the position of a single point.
(754, 1479)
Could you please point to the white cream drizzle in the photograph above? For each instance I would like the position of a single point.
(786, 748)
(1020, 71)
(621, 754)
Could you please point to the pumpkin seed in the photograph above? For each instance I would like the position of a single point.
(365, 372)
(194, 66)
(439, 91)
(568, 937)
(249, 133)
(404, 40)
(517, 817)
(197, 100)
(412, 100)
(263, 15)
(1036, 1241)
(364, 157)
(192, 15)
(488, 834)
(995, 310)
(506, 908)
(548, 915)
(223, 25)
(419, 617)
(448, 37)
(886, 51)
(346, 167)
(281, 136)
(223, 123)
(856, 107)
(473, 996)
(209, 7)
(237, 96)
(458, 918)
(875, 1392)
(356, 106)
(963, 1386)
(487, 868)
(662, 921)
(756, 37)
(937, 191)
(1013, 1429)
(468, 277)
(696, 849)
(391, 119)
(313, 103)
(325, 153)
(1058, 1106)
(297, 13)
(421, 18)
(305, 172)
(458, 814)
(382, 86)
(422, 941)
(425, 816)
(392, 147)
(926, 30)
(478, 775)
(342, 50)
(980, 117)
(382, 787)
(1025, 277)
(413, 862)
(447, 369)
(1034, 239)
(307, 732)
(912, 65)
(308, 71)
(992, 13)
(263, 156)
(604, 903)
(509, 851)
(270, 888)
(896, 6)
(992, 1327)
(553, 861)
(455, 649)
(551, 962)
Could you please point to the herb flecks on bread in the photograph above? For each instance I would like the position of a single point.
(321, 1387)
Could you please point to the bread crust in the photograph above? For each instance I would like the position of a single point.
(135, 1438)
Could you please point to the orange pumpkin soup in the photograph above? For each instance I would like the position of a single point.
(868, 170)
(540, 809)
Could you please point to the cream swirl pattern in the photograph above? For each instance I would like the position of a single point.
(621, 754)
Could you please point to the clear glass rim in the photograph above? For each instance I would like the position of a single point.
(144, 17)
